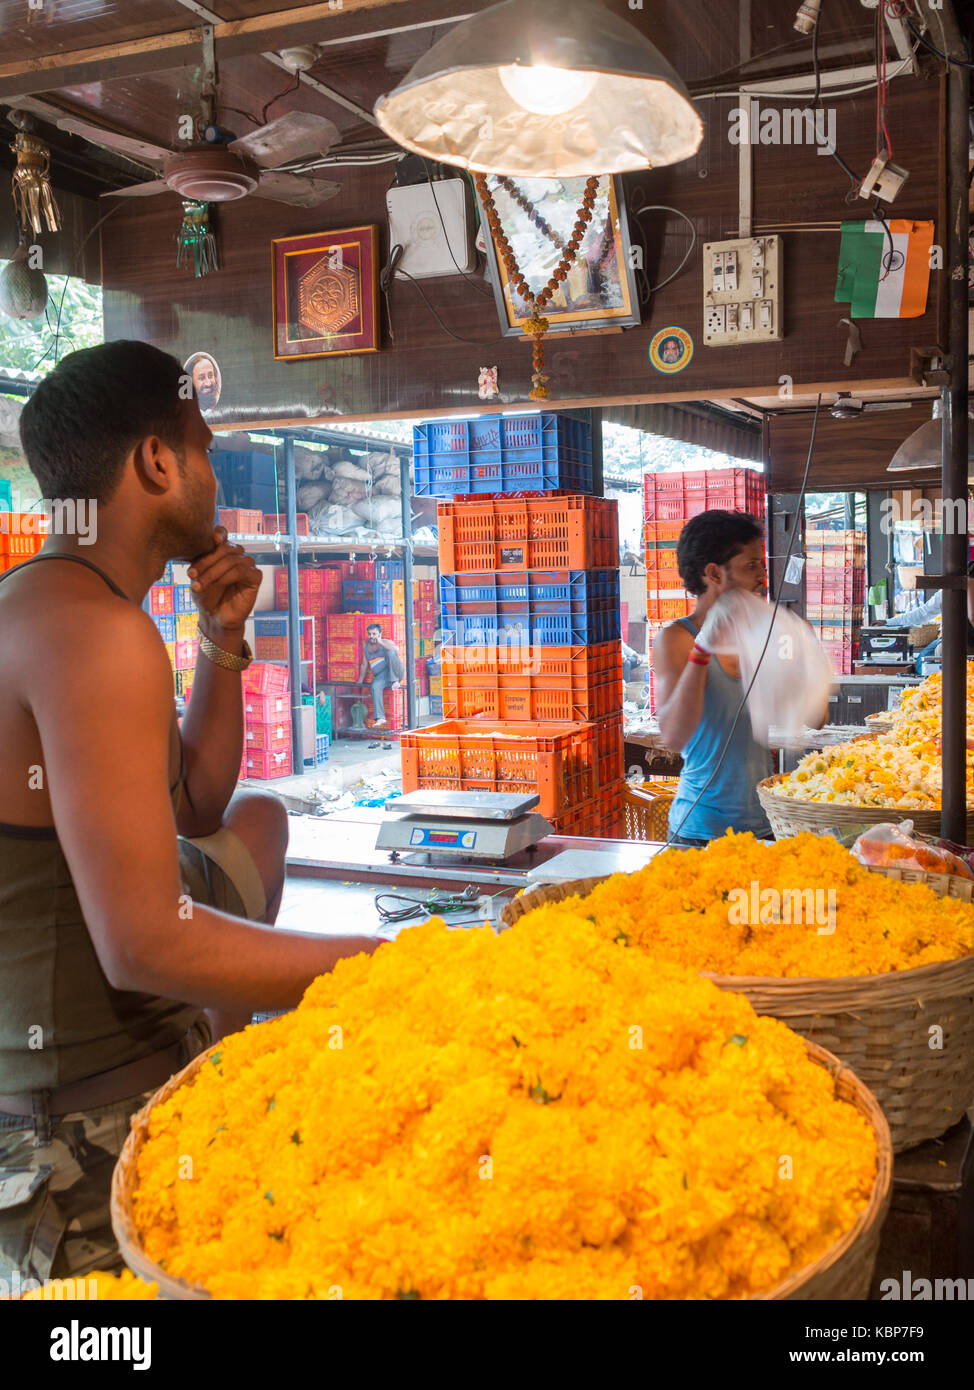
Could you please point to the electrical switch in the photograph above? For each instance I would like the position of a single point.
(732, 318)
(747, 317)
(757, 255)
(764, 314)
(757, 284)
(730, 270)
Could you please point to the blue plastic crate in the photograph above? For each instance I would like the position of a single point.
(182, 599)
(166, 574)
(166, 623)
(502, 453)
(322, 744)
(436, 704)
(389, 569)
(367, 595)
(548, 607)
(270, 624)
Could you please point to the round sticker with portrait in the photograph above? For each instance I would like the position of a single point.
(671, 349)
(207, 381)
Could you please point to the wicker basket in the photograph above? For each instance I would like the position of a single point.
(125, 1180)
(646, 809)
(790, 817)
(844, 1271)
(876, 1024)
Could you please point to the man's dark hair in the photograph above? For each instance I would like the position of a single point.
(713, 538)
(374, 627)
(82, 421)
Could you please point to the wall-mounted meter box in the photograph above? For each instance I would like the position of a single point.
(421, 218)
(742, 291)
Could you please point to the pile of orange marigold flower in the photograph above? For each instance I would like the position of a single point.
(543, 1113)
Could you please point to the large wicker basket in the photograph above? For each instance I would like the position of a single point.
(844, 1271)
(879, 1025)
(790, 817)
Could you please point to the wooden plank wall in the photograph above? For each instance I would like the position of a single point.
(422, 370)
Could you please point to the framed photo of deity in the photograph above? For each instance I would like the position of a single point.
(538, 216)
(325, 291)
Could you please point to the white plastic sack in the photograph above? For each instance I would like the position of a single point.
(346, 492)
(794, 674)
(353, 471)
(310, 495)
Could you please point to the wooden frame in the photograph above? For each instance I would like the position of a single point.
(580, 311)
(325, 293)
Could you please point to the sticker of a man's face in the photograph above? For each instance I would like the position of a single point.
(206, 382)
(672, 350)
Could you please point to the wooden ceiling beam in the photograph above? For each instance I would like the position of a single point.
(319, 23)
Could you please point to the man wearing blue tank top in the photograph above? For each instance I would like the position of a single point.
(699, 694)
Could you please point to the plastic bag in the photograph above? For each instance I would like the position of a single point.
(794, 674)
(894, 846)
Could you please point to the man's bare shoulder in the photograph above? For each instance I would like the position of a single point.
(675, 637)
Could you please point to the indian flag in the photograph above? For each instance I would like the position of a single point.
(884, 268)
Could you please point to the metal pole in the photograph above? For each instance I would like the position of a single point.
(953, 823)
(407, 574)
(293, 608)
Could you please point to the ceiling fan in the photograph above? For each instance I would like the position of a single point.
(849, 407)
(223, 168)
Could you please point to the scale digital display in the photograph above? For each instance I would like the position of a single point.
(424, 837)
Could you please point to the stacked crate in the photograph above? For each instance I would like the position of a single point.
(267, 721)
(319, 593)
(531, 662)
(669, 501)
(173, 610)
(21, 536)
(835, 592)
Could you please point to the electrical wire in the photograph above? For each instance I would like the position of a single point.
(922, 38)
(637, 208)
(287, 90)
(57, 331)
(476, 342)
(777, 603)
(797, 95)
(481, 290)
(435, 902)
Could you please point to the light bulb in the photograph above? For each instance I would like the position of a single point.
(546, 91)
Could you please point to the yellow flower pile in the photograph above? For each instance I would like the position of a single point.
(899, 769)
(694, 908)
(537, 1114)
(104, 1287)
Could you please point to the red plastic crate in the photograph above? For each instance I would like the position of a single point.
(264, 678)
(357, 569)
(160, 598)
(553, 532)
(265, 709)
(355, 626)
(680, 495)
(265, 763)
(574, 684)
(342, 672)
(556, 760)
(272, 737)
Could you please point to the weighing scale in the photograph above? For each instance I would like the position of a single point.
(460, 825)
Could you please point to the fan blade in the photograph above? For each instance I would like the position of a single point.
(140, 150)
(298, 190)
(139, 190)
(885, 405)
(289, 137)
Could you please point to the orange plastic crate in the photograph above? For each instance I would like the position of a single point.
(662, 610)
(610, 751)
(532, 682)
(571, 532)
(275, 522)
(555, 760)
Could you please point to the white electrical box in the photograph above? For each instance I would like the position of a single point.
(421, 217)
(742, 291)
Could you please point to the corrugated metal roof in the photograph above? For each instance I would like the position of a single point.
(698, 424)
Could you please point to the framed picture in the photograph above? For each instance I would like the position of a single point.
(538, 216)
(325, 293)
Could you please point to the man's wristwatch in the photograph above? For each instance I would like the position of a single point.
(219, 657)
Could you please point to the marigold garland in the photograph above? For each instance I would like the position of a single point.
(536, 1114)
(899, 769)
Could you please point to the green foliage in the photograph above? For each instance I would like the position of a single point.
(29, 345)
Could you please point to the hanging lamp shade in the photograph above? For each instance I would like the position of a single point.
(922, 448)
(543, 89)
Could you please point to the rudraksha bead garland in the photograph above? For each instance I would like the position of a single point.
(536, 326)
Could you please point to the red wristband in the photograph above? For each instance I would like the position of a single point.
(698, 656)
